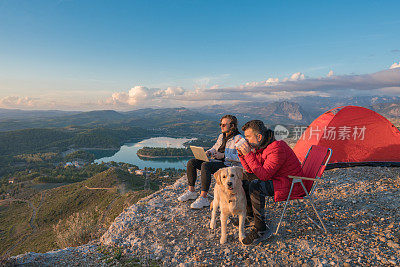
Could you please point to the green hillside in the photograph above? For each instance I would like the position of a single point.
(68, 215)
(57, 140)
(32, 140)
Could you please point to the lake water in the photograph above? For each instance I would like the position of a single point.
(127, 153)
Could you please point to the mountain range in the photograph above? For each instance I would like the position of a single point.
(301, 110)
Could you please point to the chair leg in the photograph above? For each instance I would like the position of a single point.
(312, 204)
(311, 219)
(284, 209)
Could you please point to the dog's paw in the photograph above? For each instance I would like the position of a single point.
(213, 224)
(222, 240)
(241, 238)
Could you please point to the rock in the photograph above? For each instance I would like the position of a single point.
(392, 244)
(159, 227)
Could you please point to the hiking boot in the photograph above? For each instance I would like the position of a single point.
(200, 203)
(247, 221)
(187, 196)
(255, 236)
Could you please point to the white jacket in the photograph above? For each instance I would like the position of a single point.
(231, 154)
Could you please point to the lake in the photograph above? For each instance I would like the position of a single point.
(127, 153)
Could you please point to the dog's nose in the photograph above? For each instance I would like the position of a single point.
(229, 183)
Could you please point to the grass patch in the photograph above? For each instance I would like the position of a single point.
(69, 215)
(14, 223)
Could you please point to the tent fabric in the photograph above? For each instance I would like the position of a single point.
(357, 136)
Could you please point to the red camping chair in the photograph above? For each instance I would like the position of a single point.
(313, 167)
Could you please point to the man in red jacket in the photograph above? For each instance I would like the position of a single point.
(267, 163)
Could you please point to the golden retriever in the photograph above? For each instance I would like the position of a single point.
(230, 197)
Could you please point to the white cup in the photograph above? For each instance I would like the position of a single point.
(240, 142)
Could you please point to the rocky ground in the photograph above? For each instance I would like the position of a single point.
(360, 207)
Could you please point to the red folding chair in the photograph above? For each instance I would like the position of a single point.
(313, 167)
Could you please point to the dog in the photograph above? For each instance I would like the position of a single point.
(229, 195)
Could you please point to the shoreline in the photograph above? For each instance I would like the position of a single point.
(162, 157)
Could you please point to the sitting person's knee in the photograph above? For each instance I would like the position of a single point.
(205, 165)
(254, 186)
(191, 162)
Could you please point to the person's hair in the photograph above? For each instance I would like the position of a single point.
(256, 125)
(232, 118)
(259, 127)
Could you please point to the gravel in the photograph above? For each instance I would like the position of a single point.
(360, 207)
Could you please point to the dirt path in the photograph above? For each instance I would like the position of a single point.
(31, 222)
(99, 188)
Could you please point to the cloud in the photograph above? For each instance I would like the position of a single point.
(374, 81)
(271, 89)
(171, 91)
(395, 50)
(134, 96)
(395, 65)
(205, 81)
(141, 96)
(17, 102)
(298, 76)
(269, 81)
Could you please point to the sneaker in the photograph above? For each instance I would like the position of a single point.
(187, 196)
(247, 221)
(254, 236)
(200, 203)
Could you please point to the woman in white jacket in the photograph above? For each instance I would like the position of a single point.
(226, 154)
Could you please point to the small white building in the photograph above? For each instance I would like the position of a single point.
(139, 172)
(75, 163)
(68, 164)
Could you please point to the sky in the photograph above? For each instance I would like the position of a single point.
(125, 55)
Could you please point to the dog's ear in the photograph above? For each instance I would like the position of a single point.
(239, 172)
(217, 176)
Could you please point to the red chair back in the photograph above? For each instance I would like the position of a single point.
(315, 162)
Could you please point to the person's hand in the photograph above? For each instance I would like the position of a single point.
(219, 155)
(244, 149)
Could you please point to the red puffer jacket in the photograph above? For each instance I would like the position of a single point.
(276, 162)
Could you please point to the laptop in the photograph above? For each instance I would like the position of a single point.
(199, 153)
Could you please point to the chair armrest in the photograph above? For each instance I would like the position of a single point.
(304, 178)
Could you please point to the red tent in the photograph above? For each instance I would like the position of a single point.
(357, 136)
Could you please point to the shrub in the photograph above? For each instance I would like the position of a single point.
(79, 228)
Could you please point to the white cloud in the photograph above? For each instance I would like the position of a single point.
(206, 81)
(170, 91)
(141, 96)
(374, 81)
(132, 97)
(297, 76)
(271, 89)
(269, 81)
(395, 65)
(17, 102)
